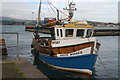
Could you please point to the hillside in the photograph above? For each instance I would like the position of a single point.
(13, 21)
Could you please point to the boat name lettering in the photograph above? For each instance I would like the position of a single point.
(71, 54)
(56, 42)
(75, 53)
(64, 55)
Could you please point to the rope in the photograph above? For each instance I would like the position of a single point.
(108, 74)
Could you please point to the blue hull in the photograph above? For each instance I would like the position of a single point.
(75, 62)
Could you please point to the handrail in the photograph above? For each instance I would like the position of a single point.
(17, 41)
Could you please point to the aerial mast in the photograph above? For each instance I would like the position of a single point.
(70, 10)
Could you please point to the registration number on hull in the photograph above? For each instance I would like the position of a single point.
(56, 42)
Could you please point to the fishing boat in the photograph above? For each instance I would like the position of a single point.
(71, 45)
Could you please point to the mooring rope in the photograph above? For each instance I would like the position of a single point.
(108, 74)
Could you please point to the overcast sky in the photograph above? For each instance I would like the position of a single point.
(94, 10)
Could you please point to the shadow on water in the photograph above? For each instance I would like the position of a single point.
(53, 73)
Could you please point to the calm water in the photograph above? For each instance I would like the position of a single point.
(108, 53)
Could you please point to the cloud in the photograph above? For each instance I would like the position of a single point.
(54, 1)
(98, 11)
(18, 10)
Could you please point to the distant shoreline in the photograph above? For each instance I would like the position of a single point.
(18, 24)
(34, 25)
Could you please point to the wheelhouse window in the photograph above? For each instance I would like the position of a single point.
(69, 32)
(57, 32)
(80, 33)
(89, 33)
(61, 33)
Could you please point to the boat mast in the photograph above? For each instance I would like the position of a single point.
(39, 10)
(70, 10)
(38, 21)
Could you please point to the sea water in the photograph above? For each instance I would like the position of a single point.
(108, 53)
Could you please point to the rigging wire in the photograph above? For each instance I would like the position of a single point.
(57, 9)
(43, 11)
(55, 12)
(50, 10)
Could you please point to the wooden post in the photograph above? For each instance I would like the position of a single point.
(3, 49)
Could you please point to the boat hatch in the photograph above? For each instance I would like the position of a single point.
(67, 33)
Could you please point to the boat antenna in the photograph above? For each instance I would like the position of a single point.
(70, 10)
(39, 10)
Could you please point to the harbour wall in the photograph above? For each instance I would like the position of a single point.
(107, 32)
(97, 32)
